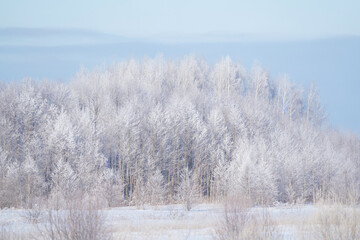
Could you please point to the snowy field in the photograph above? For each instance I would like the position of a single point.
(171, 221)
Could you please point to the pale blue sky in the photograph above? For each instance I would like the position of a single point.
(143, 18)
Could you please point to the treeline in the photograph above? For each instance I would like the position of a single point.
(163, 131)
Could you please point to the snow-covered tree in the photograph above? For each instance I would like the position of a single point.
(32, 182)
(161, 130)
(4, 165)
(188, 191)
(111, 188)
(252, 174)
(155, 188)
(64, 182)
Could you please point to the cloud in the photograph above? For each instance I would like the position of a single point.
(55, 37)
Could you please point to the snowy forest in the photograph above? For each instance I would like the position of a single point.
(158, 131)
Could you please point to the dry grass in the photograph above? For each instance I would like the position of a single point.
(78, 221)
(241, 222)
(7, 233)
(236, 219)
(337, 222)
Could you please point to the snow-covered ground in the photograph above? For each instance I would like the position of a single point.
(171, 221)
(165, 222)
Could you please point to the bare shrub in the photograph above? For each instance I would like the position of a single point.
(240, 221)
(235, 217)
(175, 213)
(33, 215)
(78, 221)
(337, 222)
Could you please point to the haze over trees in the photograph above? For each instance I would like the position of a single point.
(159, 131)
